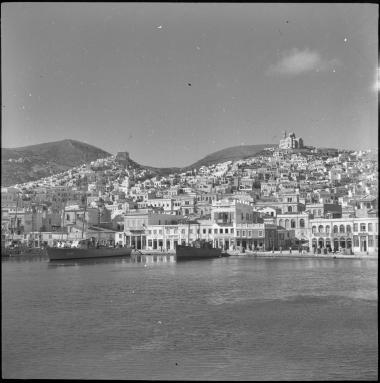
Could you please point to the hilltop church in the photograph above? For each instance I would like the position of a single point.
(291, 142)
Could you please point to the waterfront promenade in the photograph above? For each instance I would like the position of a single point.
(275, 254)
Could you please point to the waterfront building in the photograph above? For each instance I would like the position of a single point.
(296, 222)
(136, 224)
(356, 234)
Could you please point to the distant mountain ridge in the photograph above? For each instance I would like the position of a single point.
(30, 163)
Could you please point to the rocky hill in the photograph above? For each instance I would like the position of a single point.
(28, 163)
(230, 154)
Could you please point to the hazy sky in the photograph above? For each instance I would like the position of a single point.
(173, 82)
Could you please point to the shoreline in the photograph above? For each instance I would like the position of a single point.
(235, 253)
(287, 254)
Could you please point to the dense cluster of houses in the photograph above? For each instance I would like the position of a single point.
(294, 197)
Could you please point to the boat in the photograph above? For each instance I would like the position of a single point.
(85, 249)
(198, 250)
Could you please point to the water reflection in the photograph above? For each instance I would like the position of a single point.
(227, 318)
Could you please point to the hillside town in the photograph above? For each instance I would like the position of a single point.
(287, 197)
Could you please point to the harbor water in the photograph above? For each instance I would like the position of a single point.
(236, 318)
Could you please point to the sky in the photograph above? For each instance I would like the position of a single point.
(173, 82)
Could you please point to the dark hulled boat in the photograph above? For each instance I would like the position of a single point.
(85, 251)
(197, 251)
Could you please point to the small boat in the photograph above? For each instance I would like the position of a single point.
(199, 250)
(84, 249)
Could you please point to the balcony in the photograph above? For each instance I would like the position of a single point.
(333, 235)
(223, 222)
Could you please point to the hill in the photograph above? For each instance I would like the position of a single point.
(229, 154)
(30, 163)
(33, 162)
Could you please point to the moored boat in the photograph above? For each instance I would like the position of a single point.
(197, 251)
(85, 250)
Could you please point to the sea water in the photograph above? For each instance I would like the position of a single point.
(236, 318)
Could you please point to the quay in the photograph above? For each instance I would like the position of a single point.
(296, 254)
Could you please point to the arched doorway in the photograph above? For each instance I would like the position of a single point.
(314, 244)
(336, 244)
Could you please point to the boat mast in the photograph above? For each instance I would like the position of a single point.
(15, 221)
(63, 218)
(84, 214)
(188, 232)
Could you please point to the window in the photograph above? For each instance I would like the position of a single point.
(209, 231)
(215, 231)
(226, 231)
(149, 242)
(154, 231)
(289, 209)
(183, 231)
(221, 231)
(249, 233)
(341, 229)
(348, 228)
(370, 240)
(289, 199)
(232, 231)
(293, 224)
(370, 227)
(356, 241)
(302, 223)
(314, 229)
(204, 231)
(335, 229)
(355, 227)
(320, 229)
(260, 233)
(362, 227)
(238, 233)
(327, 229)
(243, 235)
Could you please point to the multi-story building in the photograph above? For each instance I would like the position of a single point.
(356, 234)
